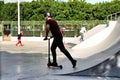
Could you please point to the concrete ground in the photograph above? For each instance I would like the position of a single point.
(29, 62)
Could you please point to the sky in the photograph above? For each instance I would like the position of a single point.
(96, 1)
(89, 1)
(93, 1)
(15, 0)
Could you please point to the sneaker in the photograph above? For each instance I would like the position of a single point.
(16, 44)
(74, 63)
(54, 64)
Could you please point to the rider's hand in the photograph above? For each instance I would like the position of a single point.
(45, 38)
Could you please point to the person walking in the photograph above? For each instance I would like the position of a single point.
(52, 25)
(19, 39)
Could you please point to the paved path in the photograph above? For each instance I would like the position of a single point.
(29, 63)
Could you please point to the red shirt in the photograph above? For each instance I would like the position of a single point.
(54, 28)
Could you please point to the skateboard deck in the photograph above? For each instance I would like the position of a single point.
(55, 67)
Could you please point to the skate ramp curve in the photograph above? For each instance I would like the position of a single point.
(106, 45)
(89, 33)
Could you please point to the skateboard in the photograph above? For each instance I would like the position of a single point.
(49, 61)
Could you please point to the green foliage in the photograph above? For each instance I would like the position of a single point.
(71, 10)
(1, 5)
(9, 12)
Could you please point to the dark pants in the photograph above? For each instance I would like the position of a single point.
(57, 42)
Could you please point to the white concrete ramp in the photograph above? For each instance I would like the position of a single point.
(89, 33)
(97, 38)
(94, 50)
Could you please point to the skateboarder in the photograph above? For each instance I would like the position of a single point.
(52, 25)
(19, 39)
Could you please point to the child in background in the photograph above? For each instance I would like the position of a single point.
(19, 39)
(82, 31)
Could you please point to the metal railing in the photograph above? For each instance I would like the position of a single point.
(113, 16)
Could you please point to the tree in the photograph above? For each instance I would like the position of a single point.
(9, 12)
(71, 10)
(1, 6)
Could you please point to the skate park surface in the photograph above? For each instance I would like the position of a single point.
(29, 62)
(89, 33)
